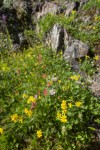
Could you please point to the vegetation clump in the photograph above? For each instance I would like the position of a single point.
(45, 104)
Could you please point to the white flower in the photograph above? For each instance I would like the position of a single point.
(54, 78)
(52, 92)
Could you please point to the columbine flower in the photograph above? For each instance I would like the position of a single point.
(1, 130)
(14, 118)
(96, 57)
(31, 99)
(52, 92)
(39, 133)
(78, 104)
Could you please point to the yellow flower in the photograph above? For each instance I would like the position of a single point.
(87, 57)
(94, 27)
(58, 115)
(24, 96)
(96, 57)
(63, 119)
(61, 53)
(14, 118)
(75, 77)
(31, 99)
(70, 105)
(20, 119)
(63, 105)
(1, 130)
(78, 104)
(27, 112)
(39, 133)
(59, 81)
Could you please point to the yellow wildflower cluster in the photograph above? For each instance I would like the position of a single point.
(62, 117)
(78, 104)
(31, 99)
(96, 57)
(75, 77)
(63, 106)
(28, 112)
(16, 118)
(1, 130)
(39, 133)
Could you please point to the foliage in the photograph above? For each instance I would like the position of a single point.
(7, 3)
(44, 104)
(75, 25)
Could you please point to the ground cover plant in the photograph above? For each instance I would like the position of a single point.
(44, 103)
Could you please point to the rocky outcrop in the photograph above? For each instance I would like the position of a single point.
(76, 49)
(48, 7)
(55, 38)
(59, 39)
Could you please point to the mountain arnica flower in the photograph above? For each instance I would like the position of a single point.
(63, 105)
(14, 118)
(31, 99)
(39, 133)
(63, 119)
(78, 104)
(96, 57)
(1, 130)
(28, 112)
(75, 77)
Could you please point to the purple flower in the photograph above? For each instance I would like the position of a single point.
(4, 17)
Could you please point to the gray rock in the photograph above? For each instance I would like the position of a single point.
(48, 7)
(55, 39)
(77, 49)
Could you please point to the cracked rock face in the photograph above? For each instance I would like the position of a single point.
(48, 7)
(54, 39)
(59, 39)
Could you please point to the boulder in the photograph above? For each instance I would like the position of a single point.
(55, 38)
(76, 49)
